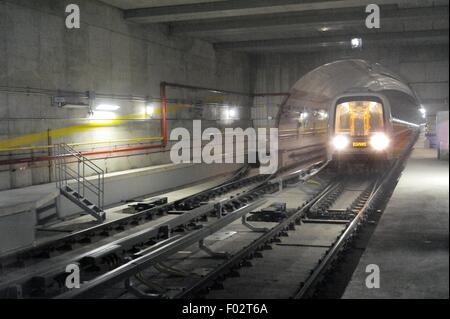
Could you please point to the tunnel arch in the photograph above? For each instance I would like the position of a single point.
(313, 94)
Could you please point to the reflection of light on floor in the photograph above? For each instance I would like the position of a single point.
(426, 172)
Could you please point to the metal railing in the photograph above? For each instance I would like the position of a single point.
(84, 177)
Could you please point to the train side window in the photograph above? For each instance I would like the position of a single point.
(376, 116)
(343, 118)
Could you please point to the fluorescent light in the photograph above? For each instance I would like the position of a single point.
(423, 111)
(356, 43)
(230, 113)
(102, 115)
(107, 107)
(150, 110)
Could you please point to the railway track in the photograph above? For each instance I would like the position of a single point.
(295, 264)
(272, 265)
(27, 266)
(40, 271)
(153, 255)
(288, 260)
(255, 268)
(210, 241)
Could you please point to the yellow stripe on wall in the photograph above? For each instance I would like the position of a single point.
(30, 139)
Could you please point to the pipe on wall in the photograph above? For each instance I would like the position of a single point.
(163, 144)
(193, 87)
(163, 113)
(87, 153)
(50, 146)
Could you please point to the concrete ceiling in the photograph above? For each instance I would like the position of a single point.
(136, 4)
(293, 25)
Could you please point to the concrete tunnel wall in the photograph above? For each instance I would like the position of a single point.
(106, 55)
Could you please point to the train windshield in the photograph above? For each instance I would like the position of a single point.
(359, 118)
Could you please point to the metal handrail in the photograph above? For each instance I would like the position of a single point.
(66, 174)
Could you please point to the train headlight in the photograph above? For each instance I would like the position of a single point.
(379, 141)
(340, 142)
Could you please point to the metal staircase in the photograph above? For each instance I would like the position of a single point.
(86, 181)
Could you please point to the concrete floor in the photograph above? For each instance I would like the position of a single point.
(410, 243)
(18, 200)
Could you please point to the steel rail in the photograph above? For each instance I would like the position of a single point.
(144, 235)
(142, 215)
(122, 244)
(153, 232)
(377, 189)
(245, 253)
(331, 253)
(136, 238)
(154, 256)
(258, 243)
(167, 250)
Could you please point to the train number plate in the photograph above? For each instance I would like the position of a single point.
(359, 144)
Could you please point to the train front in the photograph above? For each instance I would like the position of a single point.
(360, 128)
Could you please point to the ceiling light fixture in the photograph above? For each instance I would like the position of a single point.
(356, 43)
(107, 107)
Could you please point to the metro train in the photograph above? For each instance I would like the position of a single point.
(361, 111)
(362, 129)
